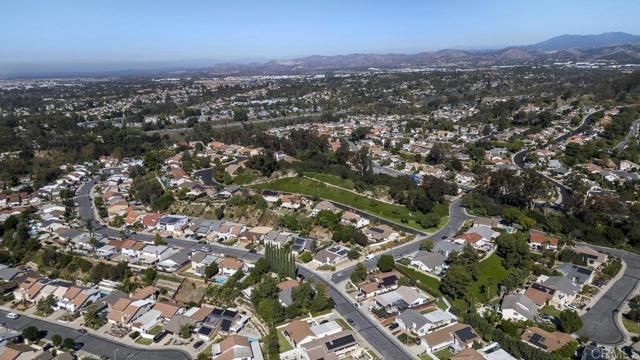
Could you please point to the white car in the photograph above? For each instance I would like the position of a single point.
(369, 257)
(12, 315)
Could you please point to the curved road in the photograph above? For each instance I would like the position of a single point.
(92, 343)
(600, 323)
(565, 192)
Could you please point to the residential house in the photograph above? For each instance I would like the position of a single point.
(545, 340)
(540, 294)
(172, 222)
(381, 233)
(325, 257)
(518, 307)
(146, 293)
(430, 262)
(167, 310)
(446, 247)
(593, 257)
(200, 261)
(338, 345)
(381, 282)
(292, 202)
(126, 310)
(421, 324)
(402, 298)
(578, 274)
(441, 338)
(236, 347)
(539, 241)
(324, 205)
(278, 238)
(230, 265)
(350, 218)
(298, 332)
(566, 290)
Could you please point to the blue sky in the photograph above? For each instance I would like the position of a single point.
(105, 31)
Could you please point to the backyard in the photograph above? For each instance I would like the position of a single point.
(492, 273)
(425, 282)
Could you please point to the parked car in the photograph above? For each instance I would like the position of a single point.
(393, 326)
(12, 315)
(198, 344)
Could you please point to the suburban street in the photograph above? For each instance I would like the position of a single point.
(388, 347)
(565, 192)
(89, 342)
(601, 321)
(457, 218)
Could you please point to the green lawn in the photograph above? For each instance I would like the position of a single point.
(631, 326)
(384, 210)
(343, 324)
(406, 339)
(332, 179)
(444, 354)
(246, 176)
(441, 304)
(425, 282)
(143, 341)
(283, 343)
(551, 311)
(155, 330)
(491, 274)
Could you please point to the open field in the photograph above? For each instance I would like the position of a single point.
(385, 211)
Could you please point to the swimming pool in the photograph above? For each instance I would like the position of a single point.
(219, 279)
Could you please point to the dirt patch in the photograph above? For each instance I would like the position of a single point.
(191, 291)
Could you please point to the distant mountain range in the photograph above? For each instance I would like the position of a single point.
(620, 47)
(564, 42)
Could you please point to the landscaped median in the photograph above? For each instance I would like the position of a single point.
(390, 212)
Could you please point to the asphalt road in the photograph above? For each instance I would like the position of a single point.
(457, 218)
(633, 131)
(600, 322)
(362, 324)
(92, 343)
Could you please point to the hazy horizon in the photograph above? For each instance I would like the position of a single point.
(118, 35)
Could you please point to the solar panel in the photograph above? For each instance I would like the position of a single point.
(379, 231)
(340, 342)
(296, 247)
(230, 313)
(299, 241)
(343, 252)
(226, 325)
(217, 311)
(584, 271)
(466, 334)
(205, 330)
(334, 249)
(389, 280)
(537, 340)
